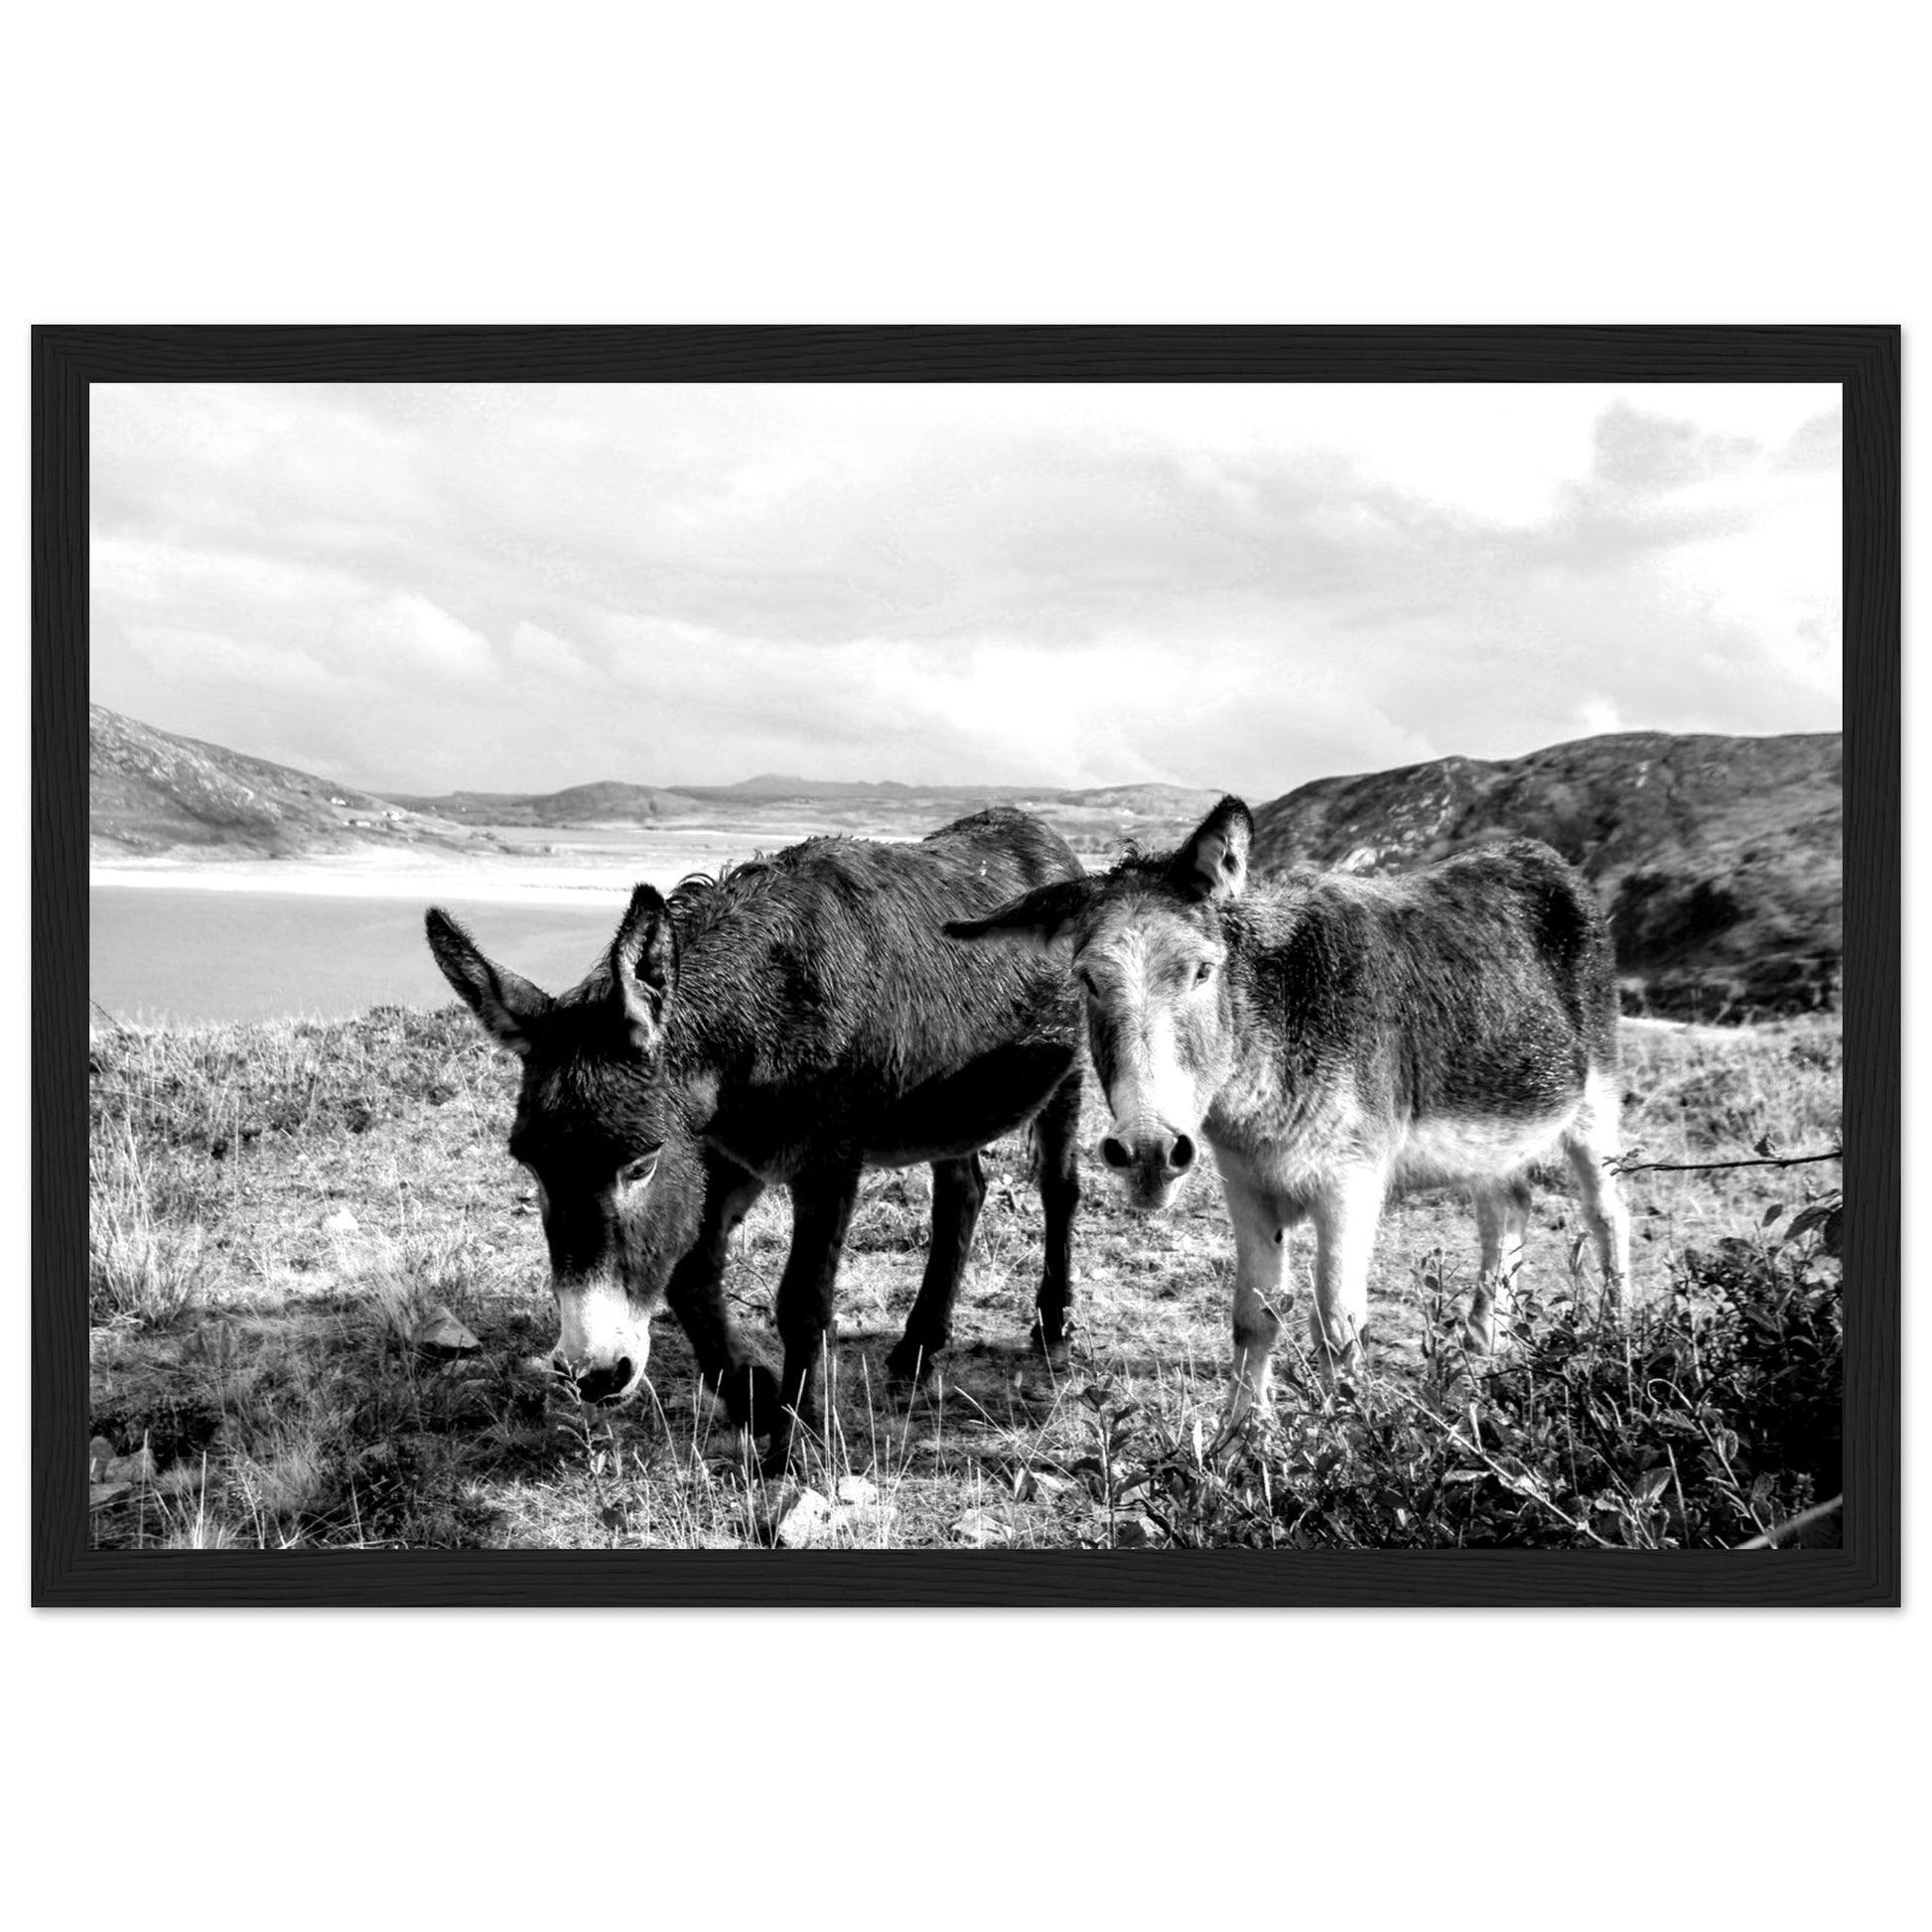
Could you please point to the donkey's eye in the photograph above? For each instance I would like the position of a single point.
(634, 1173)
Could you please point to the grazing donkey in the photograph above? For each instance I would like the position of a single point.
(1337, 1038)
(798, 1019)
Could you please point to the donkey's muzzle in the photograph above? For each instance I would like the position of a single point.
(595, 1385)
(1150, 1165)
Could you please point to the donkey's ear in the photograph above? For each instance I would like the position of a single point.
(643, 965)
(1213, 864)
(508, 1006)
(1041, 918)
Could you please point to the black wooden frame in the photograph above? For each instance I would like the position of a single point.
(1864, 359)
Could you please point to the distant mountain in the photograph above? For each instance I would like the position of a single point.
(1153, 801)
(1717, 858)
(150, 792)
(772, 788)
(154, 791)
(775, 785)
(608, 802)
(780, 808)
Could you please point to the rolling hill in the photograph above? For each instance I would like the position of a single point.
(151, 791)
(606, 802)
(1717, 858)
(155, 792)
(777, 810)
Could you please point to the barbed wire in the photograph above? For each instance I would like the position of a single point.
(1708, 1167)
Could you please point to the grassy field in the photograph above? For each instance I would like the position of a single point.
(283, 1216)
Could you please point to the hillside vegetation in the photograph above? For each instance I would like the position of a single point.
(608, 802)
(1717, 858)
(151, 791)
(779, 810)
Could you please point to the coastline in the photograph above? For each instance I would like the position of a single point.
(577, 879)
(513, 884)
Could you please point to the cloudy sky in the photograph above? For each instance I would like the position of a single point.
(421, 588)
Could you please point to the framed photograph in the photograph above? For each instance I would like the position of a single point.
(966, 966)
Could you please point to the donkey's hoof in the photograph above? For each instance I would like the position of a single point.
(1057, 1353)
(750, 1393)
(913, 1362)
(792, 1448)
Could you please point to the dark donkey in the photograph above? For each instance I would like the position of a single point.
(1337, 1038)
(798, 1019)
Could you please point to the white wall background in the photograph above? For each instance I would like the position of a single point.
(1493, 163)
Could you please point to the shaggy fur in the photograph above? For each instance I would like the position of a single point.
(1337, 1040)
(794, 1021)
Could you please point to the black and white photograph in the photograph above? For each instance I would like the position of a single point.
(889, 967)
(964, 965)
(748, 736)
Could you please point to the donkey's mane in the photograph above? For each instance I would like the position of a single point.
(701, 898)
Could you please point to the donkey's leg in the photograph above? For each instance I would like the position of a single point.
(1502, 1219)
(1346, 1216)
(821, 1211)
(1592, 1161)
(1260, 1258)
(1593, 1147)
(1056, 1150)
(696, 1294)
(958, 1189)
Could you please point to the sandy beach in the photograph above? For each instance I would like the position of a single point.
(576, 874)
(511, 884)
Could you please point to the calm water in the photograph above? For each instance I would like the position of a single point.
(185, 957)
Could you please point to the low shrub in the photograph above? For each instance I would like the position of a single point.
(1702, 1420)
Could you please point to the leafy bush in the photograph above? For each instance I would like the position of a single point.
(1700, 1421)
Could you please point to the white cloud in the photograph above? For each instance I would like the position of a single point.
(545, 657)
(1231, 585)
(405, 635)
(187, 656)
